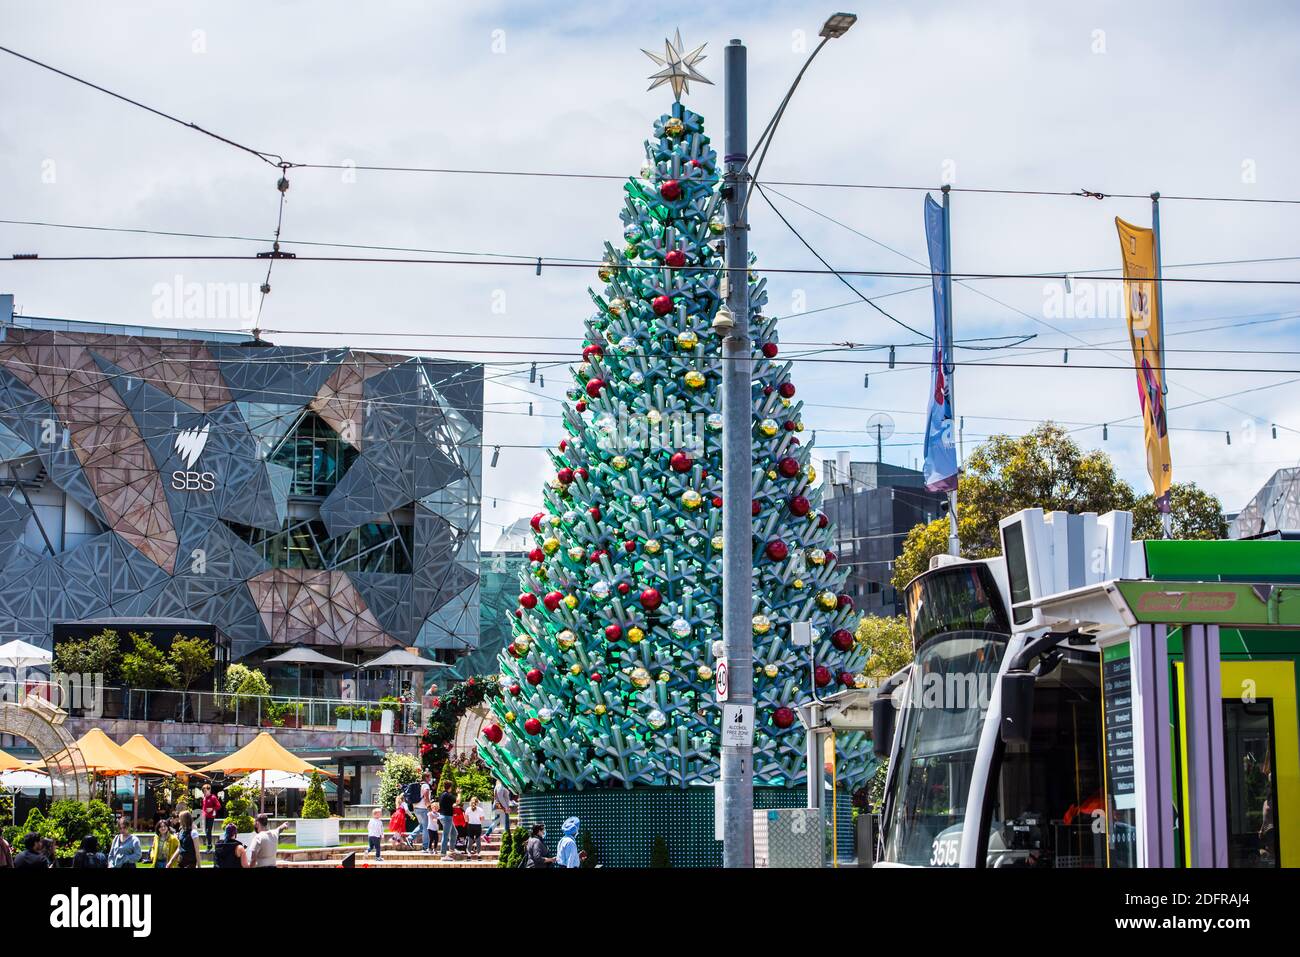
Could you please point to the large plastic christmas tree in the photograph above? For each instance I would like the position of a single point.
(609, 680)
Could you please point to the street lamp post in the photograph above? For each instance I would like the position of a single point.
(732, 323)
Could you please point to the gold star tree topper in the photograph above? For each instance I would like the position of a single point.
(678, 67)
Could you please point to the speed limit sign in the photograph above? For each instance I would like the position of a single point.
(721, 683)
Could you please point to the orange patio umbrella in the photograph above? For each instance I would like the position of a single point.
(263, 754)
(147, 752)
(103, 755)
(9, 763)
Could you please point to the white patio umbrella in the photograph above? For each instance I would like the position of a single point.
(21, 654)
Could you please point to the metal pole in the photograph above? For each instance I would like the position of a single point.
(949, 367)
(1166, 518)
(812, 748)
(737, 480)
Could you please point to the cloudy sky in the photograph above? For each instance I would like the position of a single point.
(1182, 97)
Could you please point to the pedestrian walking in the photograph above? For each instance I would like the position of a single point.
(397, 826)
(474, 828)
(446, 810)
(187, 850)
(567, 853)
(125, 850)
(461, 825)
(423, 807)
(164, 844)
(6, 854)
(210, 807)
(501, 802)
(375, 833)
(230, 852)
(535, 849)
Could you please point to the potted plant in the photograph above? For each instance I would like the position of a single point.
(316, 828)
(238, 805)
(351, 717)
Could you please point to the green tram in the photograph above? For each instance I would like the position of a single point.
(1085, 700)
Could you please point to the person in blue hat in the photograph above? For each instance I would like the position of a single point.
(567, 854)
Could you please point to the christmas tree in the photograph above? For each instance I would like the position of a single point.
(609, 679)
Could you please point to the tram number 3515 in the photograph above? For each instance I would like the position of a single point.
(945, 851)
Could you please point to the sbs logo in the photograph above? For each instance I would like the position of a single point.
(189, 445)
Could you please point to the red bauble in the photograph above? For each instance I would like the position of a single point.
(594, 386)
(515, 689)
(662, 305)
(594, 512)
(595, 676)
(844, 602)
(717, 501)
(534, 676)
(787, 390)
(564, 444)
(830, 557)
(783, 717)
(493, 733)
(788, 425)
(629, 546)
(680, 462)
(770, 350)
(846, 679)
(670, 189)
(624, 588)
(799, 505)
(755, 507)
(767, 390)
(822, 520)
(536, 521)
(613, 632)
(592, 350)
(537, 555)
(788, 467)
(777, 550)
(580, 406)
(822, 675)
(675, 258)
(582, 472)
(552, 600)
(651, 599)
(533, 726)
(528, 600)
(842, 639)
(565, 475)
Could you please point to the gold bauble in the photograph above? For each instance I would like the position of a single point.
(652, 546)
(619, 462)
(599, 709)
(695, 379)
(664, 677)
(692, 498)
(769, 427)
(510, 716)
(635, 634)
(687, 340)
(771, 473)
(605, 273)
(771, 670)
(550, 545)
(576, 553)
(640, 677)
(575, 669)
(797, 583)
(565, 639)
(716, 541)
(571, 601)
(704, 672)
(674, 127)
(827, 600)
(762, 624)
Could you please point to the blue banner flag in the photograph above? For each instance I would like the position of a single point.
(940, 470)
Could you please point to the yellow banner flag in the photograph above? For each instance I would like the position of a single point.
(1138, 247)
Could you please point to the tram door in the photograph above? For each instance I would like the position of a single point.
(1261, 756)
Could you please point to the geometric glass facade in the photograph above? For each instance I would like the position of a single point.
(283, 494)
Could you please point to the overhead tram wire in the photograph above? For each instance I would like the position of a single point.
(274, 159)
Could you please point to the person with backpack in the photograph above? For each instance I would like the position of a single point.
(89, 857)
(187, 851)
(230, 852)
(422, 803)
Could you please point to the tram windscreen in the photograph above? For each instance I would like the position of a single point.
(961, 597)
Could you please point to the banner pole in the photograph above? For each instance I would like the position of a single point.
(1166, 517)
(949, 367)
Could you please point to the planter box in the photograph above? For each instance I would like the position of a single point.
(348, 724)
(316, 832)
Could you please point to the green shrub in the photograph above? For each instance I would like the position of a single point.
(659, 854)
(400, 769)
(520, 842)
(314, 805)
(505, 851)
(239, 807)
(245, 686)
(147, 667)
(69, 821)
(98, 654)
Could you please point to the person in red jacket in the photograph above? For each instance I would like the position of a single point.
(210, 807)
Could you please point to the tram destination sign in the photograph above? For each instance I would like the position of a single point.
(1212, 603)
